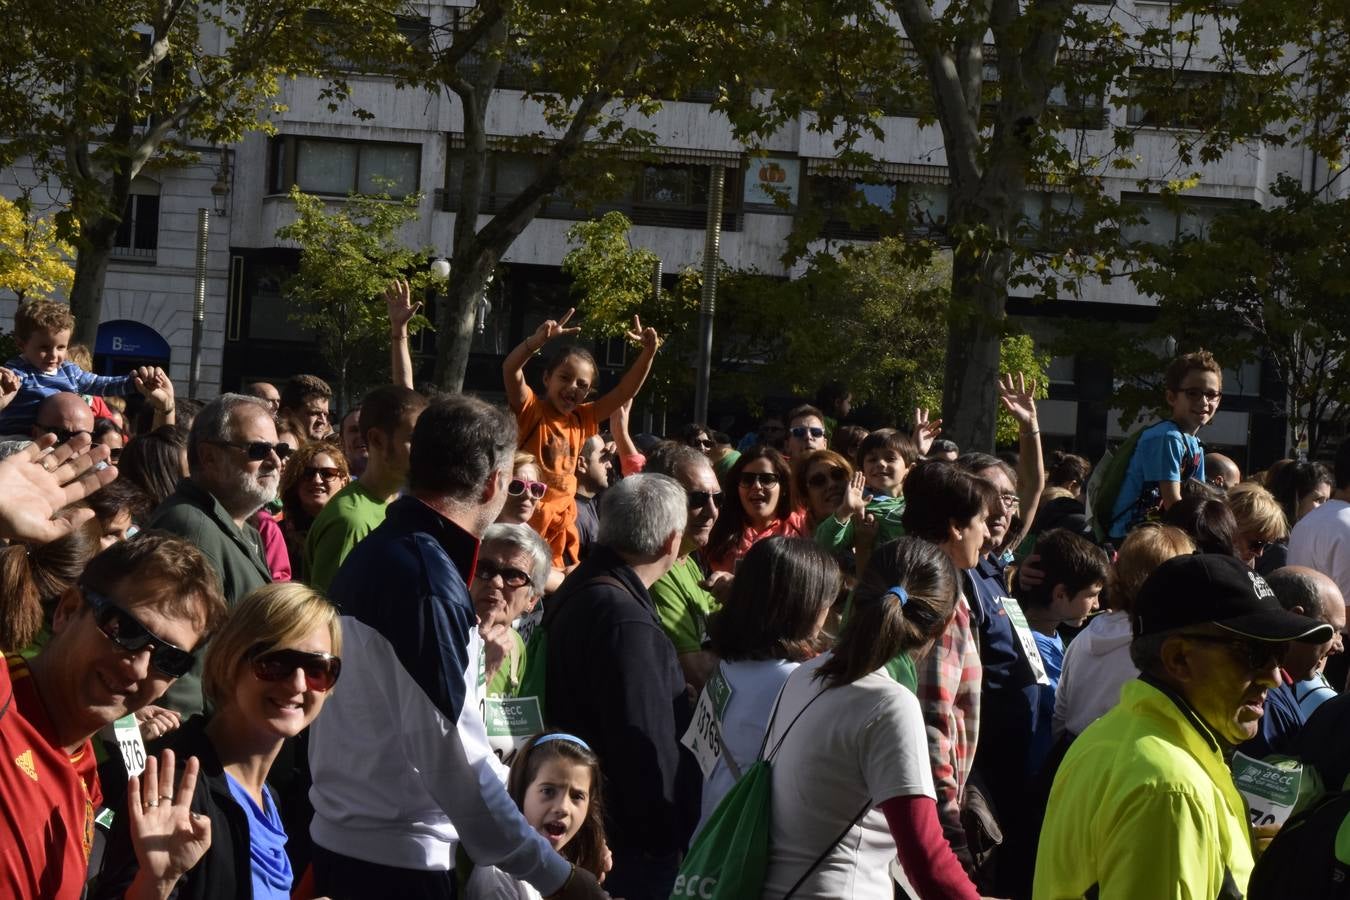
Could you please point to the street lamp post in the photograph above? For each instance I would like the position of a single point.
(712, 244)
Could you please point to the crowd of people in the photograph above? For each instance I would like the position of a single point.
(442, 648)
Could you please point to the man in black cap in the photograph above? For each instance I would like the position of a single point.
(1143, 804)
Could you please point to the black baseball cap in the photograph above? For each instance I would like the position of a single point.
(1217, 589)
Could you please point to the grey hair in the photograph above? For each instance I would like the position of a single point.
(527, 540)
(213, 424)
(670, 458)
(1293, 588)
(588, 446)
(1146, 652)
(640, 513)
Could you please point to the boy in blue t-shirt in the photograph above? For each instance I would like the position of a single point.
(1168, 453)
(43, 328)
(1075, 573)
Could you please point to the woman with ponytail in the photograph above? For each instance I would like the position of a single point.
(852, 784)
(34, 576)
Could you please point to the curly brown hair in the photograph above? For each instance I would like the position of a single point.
(41, 315)
(296, 464)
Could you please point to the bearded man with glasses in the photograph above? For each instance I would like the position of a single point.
(1143, 804)
(234, 468)
(120, 637)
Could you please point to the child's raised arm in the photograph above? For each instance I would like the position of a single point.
(632, 380)
(513, 374)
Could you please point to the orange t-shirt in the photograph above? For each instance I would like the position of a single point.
(555, 441)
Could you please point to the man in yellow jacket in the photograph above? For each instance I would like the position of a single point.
(1143, 806)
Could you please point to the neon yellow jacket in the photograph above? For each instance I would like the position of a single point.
(1144, 808)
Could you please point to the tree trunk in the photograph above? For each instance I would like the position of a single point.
(975, 317)
(455, 317)
(91, 270)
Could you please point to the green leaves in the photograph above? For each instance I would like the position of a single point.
(349, 252)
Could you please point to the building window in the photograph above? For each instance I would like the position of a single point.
(328, 37)
(338, 168)
(1159, 222)
(138, 234)
(867, 211)
(671, 195)
(1168, 98)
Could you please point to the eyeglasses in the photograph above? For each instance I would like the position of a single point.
(763, 479)
(64, 434)
(702, 443)
(821, 478)
(801, 431)
(114, 454)
(1201, 394)
(517, 486)
(327, 473)
(511, 577)
(257, 451)
(700, 499)
(1011, 501)
(126, 631)
(1258, 656)
(1258, 547)
(321, 669)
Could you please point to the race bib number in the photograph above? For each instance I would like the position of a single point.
(1270, 788)
(702, 736)
(1027, 639)
(127, 733)
(510, 722)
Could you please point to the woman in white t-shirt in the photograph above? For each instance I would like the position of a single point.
(852, 783)
(769, 624)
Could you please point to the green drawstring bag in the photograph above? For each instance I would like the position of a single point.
(731, 854)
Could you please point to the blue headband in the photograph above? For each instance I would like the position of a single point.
(561, 736)
(900, 594)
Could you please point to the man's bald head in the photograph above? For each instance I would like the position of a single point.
(65, 414)
(1222, 471)
(1311, 593)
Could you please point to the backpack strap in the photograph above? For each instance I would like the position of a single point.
(784, 735)
(830, 849)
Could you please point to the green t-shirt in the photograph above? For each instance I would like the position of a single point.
(352, 514)
(683, 605)
(835, 536)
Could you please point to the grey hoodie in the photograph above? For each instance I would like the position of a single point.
(1096, 665)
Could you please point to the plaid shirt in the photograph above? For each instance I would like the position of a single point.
(949, 692)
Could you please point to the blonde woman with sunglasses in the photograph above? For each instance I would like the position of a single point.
(267, 674)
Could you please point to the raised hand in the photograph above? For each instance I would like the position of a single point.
(1018, 396)
(37, 483)
(155, 386)
(169, 838)
(550, 329)
(10, 382)
(925, 430)
(156, 721)
(398, 301)
(497, 643)
(647, 337)
(853, 506)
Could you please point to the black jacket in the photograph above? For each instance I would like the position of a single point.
(225, 872)
(614, 681)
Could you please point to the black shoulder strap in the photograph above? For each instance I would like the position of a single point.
(830, 849)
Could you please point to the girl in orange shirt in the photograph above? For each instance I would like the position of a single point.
(554, 426)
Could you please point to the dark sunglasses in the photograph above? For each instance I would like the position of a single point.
(511, 577)
(126, 631)
(257, 451)
(801, 431)
(114, 454)
(327, 473)
(321, 669)
(700, 499)
(1258, 547)
(1256, 655)
(63, 434)
(763, 479)
(819, 479)
(518, 486)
